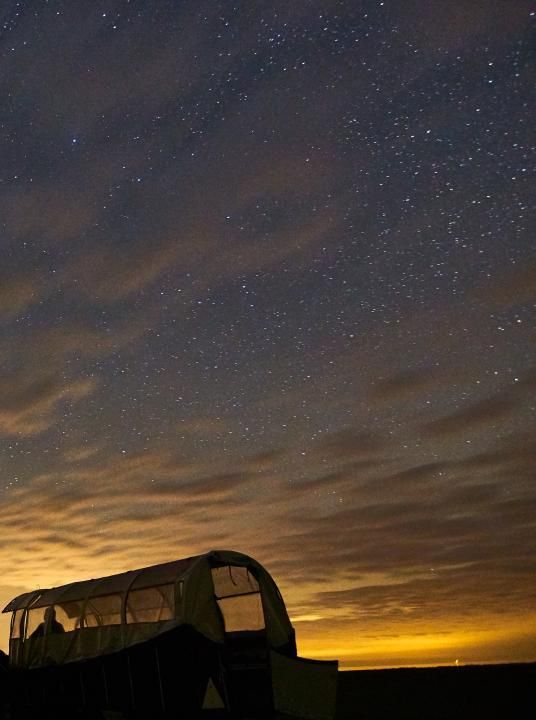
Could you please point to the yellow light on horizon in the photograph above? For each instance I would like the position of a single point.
(505, 644)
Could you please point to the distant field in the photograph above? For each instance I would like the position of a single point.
(479, 692)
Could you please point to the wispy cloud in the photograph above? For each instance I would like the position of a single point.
(29, 400)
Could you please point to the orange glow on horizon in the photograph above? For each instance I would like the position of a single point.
(514, 643)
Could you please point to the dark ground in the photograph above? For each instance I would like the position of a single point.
(479, 692)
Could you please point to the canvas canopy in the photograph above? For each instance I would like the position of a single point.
(217, 593)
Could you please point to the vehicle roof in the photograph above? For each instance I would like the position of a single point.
(161, 574)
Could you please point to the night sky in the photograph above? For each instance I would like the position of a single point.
(267, 283)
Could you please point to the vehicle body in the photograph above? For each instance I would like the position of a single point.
(202, 635)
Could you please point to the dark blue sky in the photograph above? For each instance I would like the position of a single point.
(267, 282)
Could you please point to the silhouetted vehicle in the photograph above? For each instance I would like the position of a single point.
(207, 635)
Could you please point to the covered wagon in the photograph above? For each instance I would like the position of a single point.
(204, 635)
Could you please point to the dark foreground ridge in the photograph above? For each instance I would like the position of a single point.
(475, 692)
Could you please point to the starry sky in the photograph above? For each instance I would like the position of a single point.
(267, 282)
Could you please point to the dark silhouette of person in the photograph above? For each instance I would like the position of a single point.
(49, 625)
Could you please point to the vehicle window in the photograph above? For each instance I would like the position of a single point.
(103, 610)
(17, 629)
(239, 599)
(151, 604)
(242, 612)
(68, 614)
(232, 580)
(36, 622)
